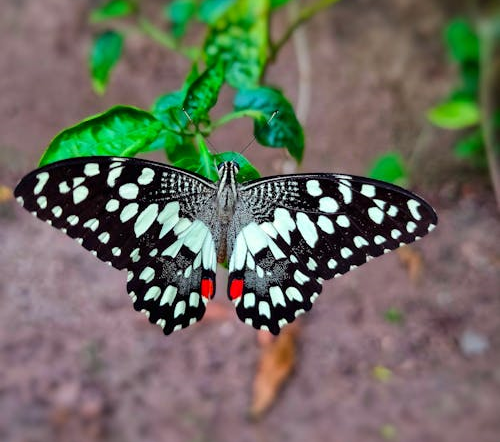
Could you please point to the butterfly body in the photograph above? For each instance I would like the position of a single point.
(282, 236)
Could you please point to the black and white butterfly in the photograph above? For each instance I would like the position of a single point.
(282, 235)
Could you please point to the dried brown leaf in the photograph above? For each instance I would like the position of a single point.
(276, 363)
(411, 258)
(6, 193)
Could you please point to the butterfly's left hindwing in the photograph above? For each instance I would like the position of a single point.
(304, 229)
(138, 215)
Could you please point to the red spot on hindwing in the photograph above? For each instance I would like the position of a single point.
(207, 288)
(236, 288)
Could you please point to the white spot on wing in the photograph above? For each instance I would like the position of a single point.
(42, 202)
(277, 297)
(145, 219)
(169, 295)
(42, 178)
(79, 194)
(368, 190)
(376, 215)
(91, 169)
(328, 205)
(128, 191)
(112, 205)
(146, 177)
(325, 224)
(313, 188)
(128, 212)
(180, 308)
(413, 205)
(264, 309)
(307, 229)
(113, 175)
(293, 294)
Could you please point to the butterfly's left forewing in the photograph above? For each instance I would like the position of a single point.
(293, 232)
(139, 215)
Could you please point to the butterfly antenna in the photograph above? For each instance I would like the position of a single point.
(205, 138)
(258, 133)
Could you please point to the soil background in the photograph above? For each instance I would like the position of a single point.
(77, 363)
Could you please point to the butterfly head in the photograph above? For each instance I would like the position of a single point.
(228, 168)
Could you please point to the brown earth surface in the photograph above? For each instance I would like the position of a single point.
(79, 364)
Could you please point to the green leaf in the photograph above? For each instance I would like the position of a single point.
(211, 10)
(454, 114)
(120, 131)
(394, 316)
(278, 3)
(389, 167)
(168, 109)
(204, 164)
(180, 12)
(284, 130)
(113, 9)
(202, 94)
(175, 139)
(462, 41)
(247, 171)
(239, 38)
(470, 146)
(105, 53)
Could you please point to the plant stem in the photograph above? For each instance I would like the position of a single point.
(303, 16)
(149, 29)
(489, 34)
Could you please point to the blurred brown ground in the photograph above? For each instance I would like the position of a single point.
(77, 363)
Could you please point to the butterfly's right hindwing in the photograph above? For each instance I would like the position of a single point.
(138, 215)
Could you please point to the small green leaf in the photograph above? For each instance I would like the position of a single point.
(247, 171)
(472, 149)
(105, 53)
(202, 94)
(389, 167)
(462, 41)
(211, 10)
(278, 3)
(239, 38)
(113, 9)
(180, 12)
(454, 114)
(388, 432)
(394, 316)
(204, 164)
(381, 373)
(120, 131)
(283, 130)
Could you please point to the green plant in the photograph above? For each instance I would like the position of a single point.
(236, 51)
(461, 109)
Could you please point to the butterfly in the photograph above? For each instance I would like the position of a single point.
(282, 236)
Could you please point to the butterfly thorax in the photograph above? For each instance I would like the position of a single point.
(227, 197)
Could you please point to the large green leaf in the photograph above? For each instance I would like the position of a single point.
(202, 94)
(105, 53)
(204, 164)
(389, 167)
(247, 171)
(120, 131)
(283, 130)
(454, 114)
(239, 38)
(113, 9)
